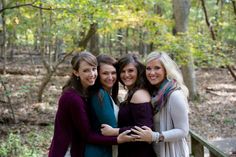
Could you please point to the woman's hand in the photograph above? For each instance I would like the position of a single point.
(124, 137)
(107, 130)
(142, 134)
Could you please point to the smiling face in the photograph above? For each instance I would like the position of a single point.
(155, 72)
(128, 75)
(108, 77)
(87, 74)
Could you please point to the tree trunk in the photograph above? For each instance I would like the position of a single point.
(181, 12)
(231, 71)
(190, 77)
(119, 39)
(143, 47)
(43, 85)
(94, 44)
(82, 44)
(11, 43)
(36, 39)
(42, 54)
(1, 32)
(157, 9)
(49, 75)
(126, 36)
(50, 42)
(234, 6)
(58, 48)
(3, 38)
(110, 44)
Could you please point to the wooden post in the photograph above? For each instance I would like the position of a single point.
(198, 144)
(212, 155)
(197, 148)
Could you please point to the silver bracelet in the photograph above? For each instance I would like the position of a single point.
(155, 137)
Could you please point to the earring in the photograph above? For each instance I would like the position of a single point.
(77, 78)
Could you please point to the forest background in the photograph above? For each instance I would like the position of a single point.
(38, 38)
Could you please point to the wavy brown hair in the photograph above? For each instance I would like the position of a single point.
(105, 59)
(74, 81)
(141, 82)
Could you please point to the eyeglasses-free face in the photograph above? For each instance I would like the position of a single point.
(129, 75)
(155, 72)
(87, 74)
(108, 76)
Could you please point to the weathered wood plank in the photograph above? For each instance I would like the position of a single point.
(197, 144)
(197, 148)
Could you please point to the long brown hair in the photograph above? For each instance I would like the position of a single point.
(141, 82)
(105, 59)
(74, 81)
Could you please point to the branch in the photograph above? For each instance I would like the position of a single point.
(62, 60)
(92, 30)
(231, 72)
(207, 20)
(24, 5)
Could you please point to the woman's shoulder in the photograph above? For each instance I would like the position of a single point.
(177, 94)
(101, 94)
(102, 91)
(70, 94)
(140, 96)
(177, 98)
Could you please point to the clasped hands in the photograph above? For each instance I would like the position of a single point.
(144, 134)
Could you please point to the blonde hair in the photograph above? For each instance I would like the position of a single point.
(171, 68)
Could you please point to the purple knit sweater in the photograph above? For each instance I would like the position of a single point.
(72, 127)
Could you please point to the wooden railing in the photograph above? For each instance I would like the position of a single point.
(198, 144)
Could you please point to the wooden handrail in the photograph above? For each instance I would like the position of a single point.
(198, 144)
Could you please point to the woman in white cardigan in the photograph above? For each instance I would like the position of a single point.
(169, 100)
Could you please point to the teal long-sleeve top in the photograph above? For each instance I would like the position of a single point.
(101, 112)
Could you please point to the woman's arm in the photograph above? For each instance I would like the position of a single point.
(141, 110)
(79, 116)
(179, 116)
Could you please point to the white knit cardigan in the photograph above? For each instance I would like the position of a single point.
(172, 122)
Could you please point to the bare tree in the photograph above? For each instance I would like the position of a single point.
(52, 69)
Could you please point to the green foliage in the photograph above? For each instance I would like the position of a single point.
(29, 145)
(137, 20)
(229, 121)
(208, 52)
(11, 146)
(22, 90)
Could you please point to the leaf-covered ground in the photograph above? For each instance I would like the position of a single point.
(212, 116)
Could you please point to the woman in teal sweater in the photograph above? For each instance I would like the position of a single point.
(103, 105)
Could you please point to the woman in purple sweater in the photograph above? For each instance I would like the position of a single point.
(72, 129)
(136, 110)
